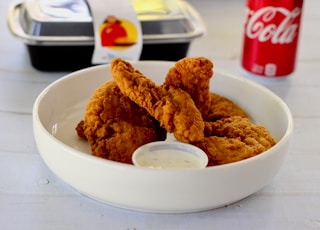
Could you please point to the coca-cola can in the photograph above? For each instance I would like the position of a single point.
(271, 34)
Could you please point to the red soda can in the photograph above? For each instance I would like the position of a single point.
(271, 35)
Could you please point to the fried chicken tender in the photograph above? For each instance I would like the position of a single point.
(131, 110)
(115, 126)
(173, 108)
(222, 107)
(193, 76)
(233, 139)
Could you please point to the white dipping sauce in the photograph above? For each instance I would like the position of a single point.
(170, 155)
(169, 159)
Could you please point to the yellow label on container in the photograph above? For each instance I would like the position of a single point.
(117, 31)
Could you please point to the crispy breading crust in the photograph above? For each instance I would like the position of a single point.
(233, 139)
(128, 112)
(222, 107)
(173, 108)
(115, 126)
(193, 76)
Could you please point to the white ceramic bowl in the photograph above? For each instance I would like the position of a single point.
(61, 106)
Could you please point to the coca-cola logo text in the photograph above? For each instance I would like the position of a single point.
(260, 25)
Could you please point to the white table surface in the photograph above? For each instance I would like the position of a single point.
(32, 197)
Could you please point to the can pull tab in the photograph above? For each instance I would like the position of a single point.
(117, 31)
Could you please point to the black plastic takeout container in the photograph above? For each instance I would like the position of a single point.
(58, 43)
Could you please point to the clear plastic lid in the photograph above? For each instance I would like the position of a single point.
(70, 21)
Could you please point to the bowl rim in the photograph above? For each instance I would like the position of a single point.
(114, 164)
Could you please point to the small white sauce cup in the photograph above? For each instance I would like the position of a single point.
(169, 155)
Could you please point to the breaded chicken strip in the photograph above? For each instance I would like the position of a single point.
(115, 126)
(222, 107)
(193, 76)
(233, 139)
(173, 108)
